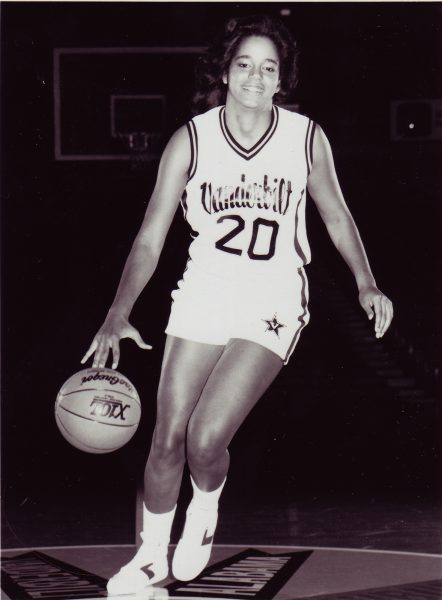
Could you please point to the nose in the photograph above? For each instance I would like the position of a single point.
(255, 71)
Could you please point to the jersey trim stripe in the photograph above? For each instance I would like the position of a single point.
(193, 136)
(249, 153)
(298, 247)
(312, 135)
(303, 319)
(184, 203)
(309, 145)
(193, 233)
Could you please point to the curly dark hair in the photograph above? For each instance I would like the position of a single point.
(210, 90)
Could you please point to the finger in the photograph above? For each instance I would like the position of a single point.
(90, 351)
(380, 314)
(377, 305)
(388, 315)
(101, 353)
(115, 351)
(139, 340)
(97, 351)
(367, 306)
(383, 316)
(370, 312)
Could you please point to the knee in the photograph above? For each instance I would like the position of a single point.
(203, 450)
(167, 446)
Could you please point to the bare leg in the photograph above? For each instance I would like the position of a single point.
(185, 370)
(238, 380)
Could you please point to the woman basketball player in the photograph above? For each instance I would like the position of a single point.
(241, 170)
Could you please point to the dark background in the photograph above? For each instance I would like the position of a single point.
(349, 418)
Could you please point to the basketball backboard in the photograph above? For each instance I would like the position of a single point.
(111, 101)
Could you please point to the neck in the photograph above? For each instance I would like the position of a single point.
(245, 124)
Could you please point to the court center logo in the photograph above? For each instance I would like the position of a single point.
(251, 574)
(36, 576)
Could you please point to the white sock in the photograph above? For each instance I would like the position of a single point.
(157, 526)
(206, 500)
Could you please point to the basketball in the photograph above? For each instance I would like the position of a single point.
(97, 410)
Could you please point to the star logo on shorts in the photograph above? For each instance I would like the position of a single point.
(273, 325)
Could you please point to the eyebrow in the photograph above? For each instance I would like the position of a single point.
(272, 60)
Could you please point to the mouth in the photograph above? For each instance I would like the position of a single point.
(253, 89)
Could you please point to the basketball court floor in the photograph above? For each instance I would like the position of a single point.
(342, 551)
(235, 572)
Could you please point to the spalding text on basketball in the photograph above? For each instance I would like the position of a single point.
(108, 408)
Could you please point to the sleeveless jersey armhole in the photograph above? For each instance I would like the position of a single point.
(310, 134)
(193, 138)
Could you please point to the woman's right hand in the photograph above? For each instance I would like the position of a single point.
(108, 336)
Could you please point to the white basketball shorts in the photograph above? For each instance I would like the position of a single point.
(271, 311)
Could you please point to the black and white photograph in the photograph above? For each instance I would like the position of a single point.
(221, 300)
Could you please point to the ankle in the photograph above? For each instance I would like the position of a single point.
(157, 526)
(206, 500)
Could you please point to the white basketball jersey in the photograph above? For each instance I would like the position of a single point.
(246, 207)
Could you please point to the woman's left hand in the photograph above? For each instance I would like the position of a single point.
(375, 303)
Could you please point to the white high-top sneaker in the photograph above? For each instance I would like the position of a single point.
(194, 548)
(149, 565)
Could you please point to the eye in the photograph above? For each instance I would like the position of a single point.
(243, 65)
(270, 69)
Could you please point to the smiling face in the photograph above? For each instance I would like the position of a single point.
(253, 75)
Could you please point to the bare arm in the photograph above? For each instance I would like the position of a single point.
(324, 188)
(146, 249)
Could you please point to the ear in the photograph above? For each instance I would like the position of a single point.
(224, 78)
(278, 87)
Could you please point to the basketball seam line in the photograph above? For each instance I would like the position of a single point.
(101, 390)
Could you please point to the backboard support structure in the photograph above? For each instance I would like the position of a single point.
(139, 120)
